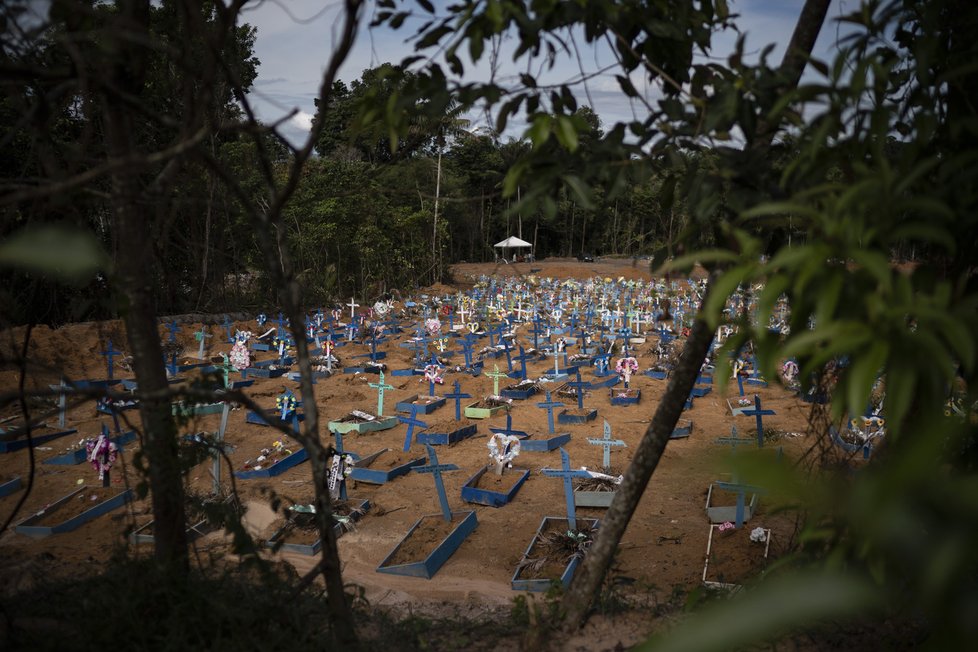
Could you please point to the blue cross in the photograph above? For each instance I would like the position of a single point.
(174, 329)
(549, 406)
(436, 469)
(281, 321)
(522, 358)
(568, 476)
(467, 351)
(109, 354)
(457, 396)
(740, 490)
(412, 422)
(601, 364)
(579, 385)
(607, 442)
(508, 430)
(758, 414)
(740, 384)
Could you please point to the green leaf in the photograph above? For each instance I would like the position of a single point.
(862, 375)
(66, 253)
(566, 133)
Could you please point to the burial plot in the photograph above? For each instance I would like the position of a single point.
(492, 404)
(434, 537)
(599, 489)
(575, 389)
(559, 544)
(626, 367)
(383, 466)
(273, 460)
(85, 503)
(78, 452)
(496, 485)
(734, 555)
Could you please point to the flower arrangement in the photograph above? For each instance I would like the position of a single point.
(625, 367)
(102, 454)
(503, 449)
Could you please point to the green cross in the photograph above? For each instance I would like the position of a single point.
(380, 387)
(495, 374)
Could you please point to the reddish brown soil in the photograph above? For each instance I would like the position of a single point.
(479, 572)
(734, 558)
(423, 540)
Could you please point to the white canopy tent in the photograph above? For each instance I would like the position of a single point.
(512, 242)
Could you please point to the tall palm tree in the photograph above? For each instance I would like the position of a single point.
(441, 129)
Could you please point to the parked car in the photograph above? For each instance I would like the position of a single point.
(585, 257)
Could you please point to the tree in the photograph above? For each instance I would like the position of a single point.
(840, 174)
(160, 86)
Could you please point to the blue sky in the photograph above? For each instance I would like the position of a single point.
(296, 37)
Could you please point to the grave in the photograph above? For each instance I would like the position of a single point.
(414, 555)
(734, 555)
(383, 466)
(581, 414)
(72, 511)
(559, 544)
(599, 489)
(361, 423)
(740, 512)
(300, 534)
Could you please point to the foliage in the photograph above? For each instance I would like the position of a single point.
(876, 158)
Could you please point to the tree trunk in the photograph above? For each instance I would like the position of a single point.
(587, 583)
(134, 282)
(434, 226)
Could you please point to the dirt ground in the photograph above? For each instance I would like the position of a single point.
(664, 546)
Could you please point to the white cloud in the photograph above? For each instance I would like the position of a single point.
(302, 120)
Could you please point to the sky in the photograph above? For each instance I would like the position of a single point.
(296, 38)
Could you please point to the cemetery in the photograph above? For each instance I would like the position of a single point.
(438, 464)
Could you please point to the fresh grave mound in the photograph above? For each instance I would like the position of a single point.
(734, 557)
(554, 550)
(423, 540)
(301, 527)
(80, 504)
(501, 483)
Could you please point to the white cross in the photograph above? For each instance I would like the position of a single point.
(353, 305)
(462, 312)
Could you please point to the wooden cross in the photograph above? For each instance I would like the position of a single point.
(758, 414)
(201, 336)
(412, 422)
(380, 386)
(109, 354)
(741, 490)
(457, 396)
(522, 358)
(495, 374)
(508, 430)
(436, 469)
(174, 329)
(228, 324)
(607, 442)
(353, 305)
(549, 406)
(568, 476)
(579, 386)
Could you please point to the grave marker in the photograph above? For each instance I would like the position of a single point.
(607, 443)
(436, 469)
(412, 422)
(380, 386)
(549, 406)
(568, 475)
